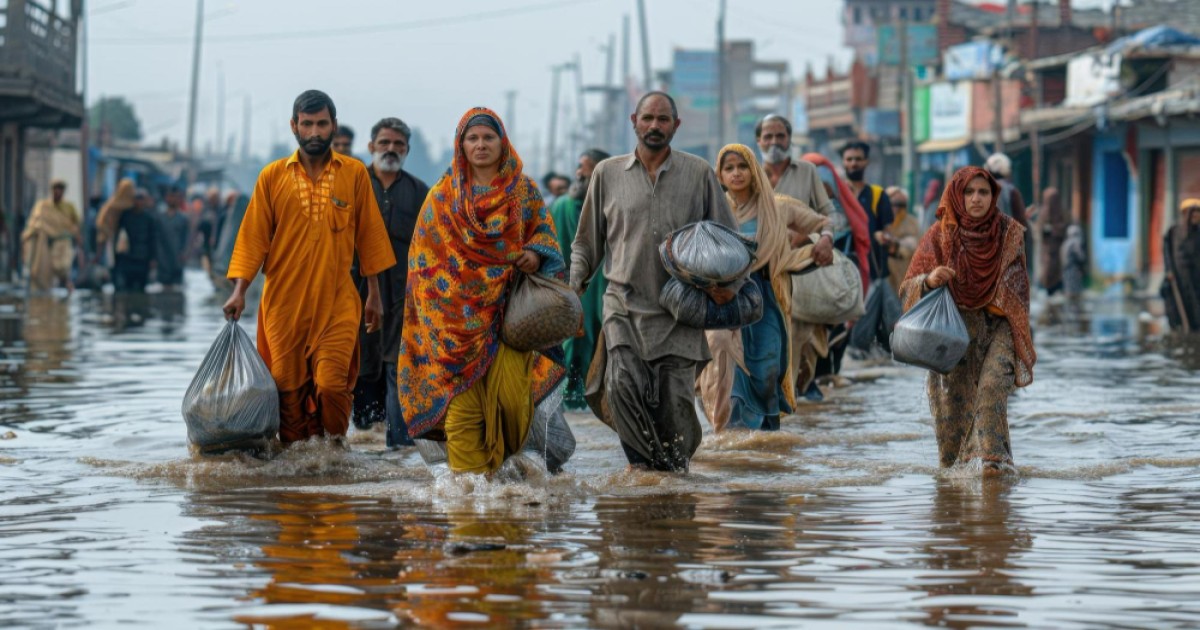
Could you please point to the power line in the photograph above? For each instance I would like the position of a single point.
(479, 16)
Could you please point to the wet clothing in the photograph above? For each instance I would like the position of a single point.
(489, 421)
(578, 351)
(970, 404)
(137, 246)
(304, 235)
(48, 239)
(459, 271)
(625, 218)
(652, 405)
(1181, 246)
(801, 181)
(173, 230)
(399, 203)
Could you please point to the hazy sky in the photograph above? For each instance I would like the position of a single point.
(426, 62)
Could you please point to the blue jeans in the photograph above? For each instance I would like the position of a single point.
(397, 430)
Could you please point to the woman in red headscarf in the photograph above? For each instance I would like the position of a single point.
(980, 255)
(482, 222)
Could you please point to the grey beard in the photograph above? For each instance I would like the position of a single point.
(775, 154)
(384, 161)
(578, 189)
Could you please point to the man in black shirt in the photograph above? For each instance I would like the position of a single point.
(137, 236)
(400, 197)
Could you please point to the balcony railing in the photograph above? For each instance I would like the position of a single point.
(37, 45)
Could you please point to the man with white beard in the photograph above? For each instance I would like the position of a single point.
(796, 179)
(400, 196)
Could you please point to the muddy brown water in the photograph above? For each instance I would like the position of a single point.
(841, 520)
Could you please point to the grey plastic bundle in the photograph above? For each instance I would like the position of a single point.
(707, 254)
(932, 334)
(232, 401)
(692, 307)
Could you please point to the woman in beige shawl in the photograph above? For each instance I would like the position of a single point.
(48, 239)
(749, 382)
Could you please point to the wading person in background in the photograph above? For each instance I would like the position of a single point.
(1010, 203)
(904, 234)
(482, 224)
(565, 213)
(633, 203)
(49, 240)
(1052, 224)
(137, 245)
(980, 254)
(173, 230)
(856, 157)
(750, 382)
(1181, 287)
(107, 220)
(399, 196)
(309, 215)
(796, 179)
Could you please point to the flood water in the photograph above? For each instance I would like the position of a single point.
(841, 520)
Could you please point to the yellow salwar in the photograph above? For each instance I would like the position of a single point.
(488, 422)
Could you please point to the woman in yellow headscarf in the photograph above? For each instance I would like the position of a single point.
(749, 383)
(482, 223)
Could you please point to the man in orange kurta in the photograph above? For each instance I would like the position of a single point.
(309, 215)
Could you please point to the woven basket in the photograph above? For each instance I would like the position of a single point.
(541, 313)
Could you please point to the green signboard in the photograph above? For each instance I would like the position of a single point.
(920, 113)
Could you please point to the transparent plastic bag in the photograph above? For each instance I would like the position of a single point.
(232, 401)
(692, 307)
(707, 254)
(880, 314)
(932, 334)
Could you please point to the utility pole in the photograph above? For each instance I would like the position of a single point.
(191, 129)
(84, 126)
(648, 80)
(908, 156)
(550, 148)
(510, 112)
(1035, 137)
(246, 128)
(221, 111)
(610, 98)
(722, 79)
(581, 128)
(627, 76)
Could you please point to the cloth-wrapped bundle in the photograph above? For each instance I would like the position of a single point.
(692, 307)
(932, 334)
(828, 295)
(232, 402)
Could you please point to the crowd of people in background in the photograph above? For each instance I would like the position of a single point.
(385, 296)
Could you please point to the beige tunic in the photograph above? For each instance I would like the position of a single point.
(801, 181)
(624, 220)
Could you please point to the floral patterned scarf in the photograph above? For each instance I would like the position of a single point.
(459, 270)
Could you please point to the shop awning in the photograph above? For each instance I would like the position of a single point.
(942, 146)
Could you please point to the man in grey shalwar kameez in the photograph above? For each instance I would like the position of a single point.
(633, 202)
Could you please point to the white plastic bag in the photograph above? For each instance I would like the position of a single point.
(932, 334)
(707, 254)
(232, 401)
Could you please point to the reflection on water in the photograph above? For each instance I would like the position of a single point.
(840, 520)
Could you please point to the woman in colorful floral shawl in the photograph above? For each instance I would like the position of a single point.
(482, 224)
(979, 253)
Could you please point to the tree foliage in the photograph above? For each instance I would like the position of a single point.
(115, 115)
